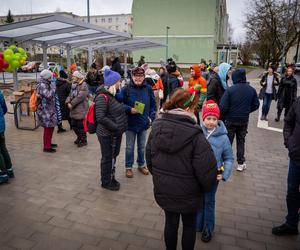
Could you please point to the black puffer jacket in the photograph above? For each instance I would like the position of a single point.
(287, 92)
(110, 114)
(291, 131)
(215, 88)
(181, 161)
(63, 88)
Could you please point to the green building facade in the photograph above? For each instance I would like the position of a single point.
(196, 28)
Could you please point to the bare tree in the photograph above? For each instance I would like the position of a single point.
(268, 26)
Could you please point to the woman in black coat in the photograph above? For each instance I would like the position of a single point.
(63, 88)
(182, 164)
(287, 93)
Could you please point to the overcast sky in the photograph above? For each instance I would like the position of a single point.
(235, 9)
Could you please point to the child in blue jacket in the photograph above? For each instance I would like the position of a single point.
(6, 170)
(216, 134)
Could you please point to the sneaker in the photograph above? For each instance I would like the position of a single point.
(53, 145)
(284, 229)
(129, 173)
(111, 186)
(144, 170)
(241, 167)
(3, 178)
(206, 235)
(49, 150)
(262, 118)
(277, 119)
(76, 141)
(10, 173)
(266, 119)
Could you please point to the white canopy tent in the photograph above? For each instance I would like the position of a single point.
(57, 30)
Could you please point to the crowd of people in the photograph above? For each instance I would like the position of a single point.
(193, 125)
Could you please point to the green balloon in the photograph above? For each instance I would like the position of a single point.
(12, 46)
(17, 56)
(21, 51)
(15, 64)
(8, 52)
(23, 58)
(8, 58)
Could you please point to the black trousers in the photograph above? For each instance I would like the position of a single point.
(279, 111)
(109, 151)
(240, 131)
(78, 128)
(5, 161)
(188, 233)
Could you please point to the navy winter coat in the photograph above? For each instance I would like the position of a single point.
(239, 100)
(144, 94)
(3, 110)
(291, 131)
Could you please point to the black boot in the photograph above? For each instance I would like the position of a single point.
(60, 128)
(284, 229)
(111, 186)
(206, 235)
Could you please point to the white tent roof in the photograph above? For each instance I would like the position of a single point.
(59, 30)
(128, 45)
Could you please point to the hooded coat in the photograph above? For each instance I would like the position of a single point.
(291, 131)
(221, 146)
(239, 100)
(110, 114)
(79, 100)
(46, 111)
(218, 83)
(198, 79)
(181, 162)
(63, 88)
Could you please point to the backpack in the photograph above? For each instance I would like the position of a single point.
(33, 101)
(89, 122)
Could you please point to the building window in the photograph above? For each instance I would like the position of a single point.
(96, 20)
(117, 27)
(103, 20)
(117, 19)
(110, 20)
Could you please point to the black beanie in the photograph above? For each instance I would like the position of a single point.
(171, 67)
(63, 74)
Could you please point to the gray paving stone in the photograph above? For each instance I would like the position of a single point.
(55, 209)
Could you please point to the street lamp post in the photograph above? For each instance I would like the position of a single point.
(167, 42)
(88, 11)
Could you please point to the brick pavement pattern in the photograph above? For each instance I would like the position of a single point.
(56, 202)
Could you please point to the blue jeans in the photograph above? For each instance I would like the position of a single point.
(130, 142)
(293, 195)
(266, 104)
(206, 215)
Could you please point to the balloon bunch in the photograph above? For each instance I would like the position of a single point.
(15, 57)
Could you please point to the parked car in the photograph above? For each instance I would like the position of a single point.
(31, 66)
(297, 67)
(50, 65)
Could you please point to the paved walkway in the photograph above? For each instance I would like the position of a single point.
(55, 201)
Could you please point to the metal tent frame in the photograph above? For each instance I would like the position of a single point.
(125, 47)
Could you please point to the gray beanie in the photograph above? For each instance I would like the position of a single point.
(46, 74)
